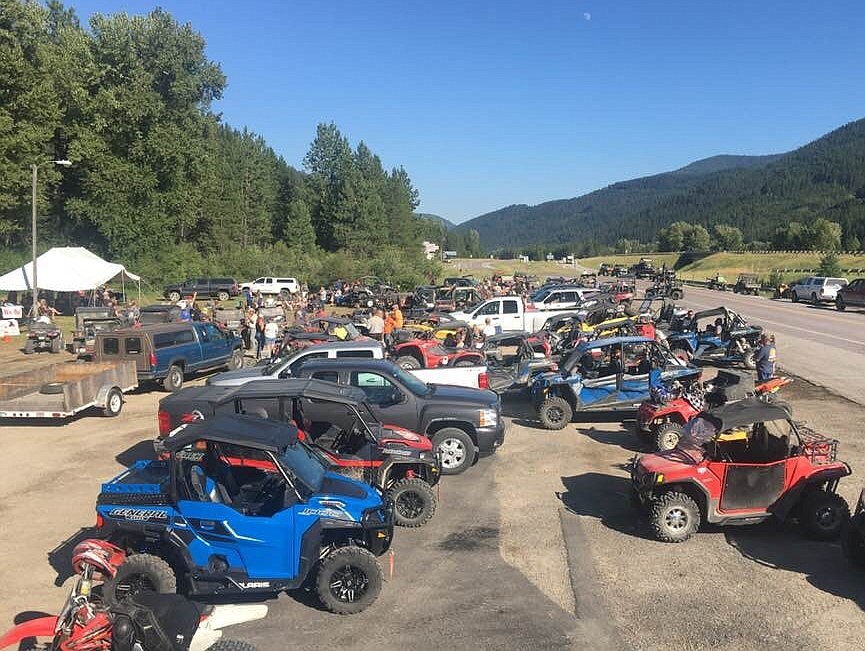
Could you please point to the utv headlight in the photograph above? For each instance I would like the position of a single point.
(488, 417)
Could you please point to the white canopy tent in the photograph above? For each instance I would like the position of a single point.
(67, 269)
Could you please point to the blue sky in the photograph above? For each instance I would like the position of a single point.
(489, 103)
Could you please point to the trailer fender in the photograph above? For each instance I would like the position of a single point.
(101, 399)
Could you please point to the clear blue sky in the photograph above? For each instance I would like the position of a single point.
(489, 103)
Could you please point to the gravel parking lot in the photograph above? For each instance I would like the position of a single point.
(535, 548)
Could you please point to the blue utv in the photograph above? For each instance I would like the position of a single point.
(717, 336)
(606, 375)
(238, 505)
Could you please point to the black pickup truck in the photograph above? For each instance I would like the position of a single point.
(463, 423)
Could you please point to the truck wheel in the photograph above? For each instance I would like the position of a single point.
(173, 296)
(555, 413)
(465, 362)
(667, 436)
(674, 517)
(174, 380)
(408, 362)
(822, 515)
(139, 573)
(349, 579)
(814, 298)
(853, 540)
(839, 304)
(235, 361)
(113, 403)
(414, 502)
(28, 347)
(794, 297)
(52, 388)
(222, 296)
(456, 448)
(284, 294)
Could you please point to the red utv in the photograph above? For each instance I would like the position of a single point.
(427, 350)
(663, 416)
(742, 463)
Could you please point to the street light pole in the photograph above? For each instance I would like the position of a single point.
(35, 168)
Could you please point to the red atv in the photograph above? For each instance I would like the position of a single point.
(662, 417)
(742, 463)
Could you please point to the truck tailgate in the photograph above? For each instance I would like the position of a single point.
(460, 376)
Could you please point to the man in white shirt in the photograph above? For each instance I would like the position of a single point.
(375, 323)
(489, 328)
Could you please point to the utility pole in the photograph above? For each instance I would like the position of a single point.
(35, 169)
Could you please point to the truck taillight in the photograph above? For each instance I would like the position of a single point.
(483, 381)
(152, 360)
(99, 521)
(164, 420)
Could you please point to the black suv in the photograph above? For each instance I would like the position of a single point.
(221, 288)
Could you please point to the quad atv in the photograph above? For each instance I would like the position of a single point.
(241, 506)
(742, 463)
(43, 336)
(605, 375)
(427, 350)
(663, 416)
(666, 288)
(336, 421)
(732, 341)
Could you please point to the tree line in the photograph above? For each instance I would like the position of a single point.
(158, 182)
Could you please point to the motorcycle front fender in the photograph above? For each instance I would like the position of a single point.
(40, 627)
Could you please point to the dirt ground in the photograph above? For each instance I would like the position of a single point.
(536, 547)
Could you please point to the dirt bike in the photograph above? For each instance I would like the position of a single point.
(142, 622)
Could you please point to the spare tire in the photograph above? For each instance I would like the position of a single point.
(52, 388)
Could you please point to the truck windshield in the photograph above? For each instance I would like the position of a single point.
(414, 385)
(305, 465)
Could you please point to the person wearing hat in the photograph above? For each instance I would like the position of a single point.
(765, 357)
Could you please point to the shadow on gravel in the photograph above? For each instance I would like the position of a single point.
(607, 498)
(141, 451)
(782, 546)
(624, 437)
(60, 558)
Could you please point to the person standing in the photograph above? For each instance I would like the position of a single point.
(259, 336)
(271, 330)
(375, 323)
(765, 357)
(396, 314)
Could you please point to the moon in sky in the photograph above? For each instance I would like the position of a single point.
(587, 16)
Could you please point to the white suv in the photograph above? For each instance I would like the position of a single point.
(562, 297)
(271, 285)
(817, 289)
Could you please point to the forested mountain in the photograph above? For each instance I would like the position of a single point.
(437, 219)
(758, 194)
(158, 182)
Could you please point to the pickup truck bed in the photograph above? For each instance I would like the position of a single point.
(73, 386)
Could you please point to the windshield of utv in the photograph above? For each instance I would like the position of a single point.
(305, 465)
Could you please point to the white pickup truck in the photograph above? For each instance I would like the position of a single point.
(462, 376)
(508, 314)
(272, 285)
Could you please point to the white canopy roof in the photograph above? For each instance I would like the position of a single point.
(65, 269)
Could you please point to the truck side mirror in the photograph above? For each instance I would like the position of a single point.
(397, 397)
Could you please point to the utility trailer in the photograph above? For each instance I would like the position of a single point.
(62, 390)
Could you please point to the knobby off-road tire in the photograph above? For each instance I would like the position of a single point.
(113, 403)
(139, 573)
(677, 295)
(456, 449)
(349, 580)
(232, 645)
(555, 413)
(823, 515)
(674, 517)
(173, 379)
(414, 502)
(748, 359)
(667, 436)
(853, 540)
(408, 362)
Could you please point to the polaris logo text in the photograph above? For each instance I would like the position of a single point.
(251, 585)
(139, 515)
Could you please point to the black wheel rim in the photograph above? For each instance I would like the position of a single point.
(555, 414)
(132, 585)
(349, 583)
(827, 518)
(409, 505)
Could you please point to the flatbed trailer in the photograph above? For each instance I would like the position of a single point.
(62, 390)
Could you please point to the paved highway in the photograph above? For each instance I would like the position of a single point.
(817, 343)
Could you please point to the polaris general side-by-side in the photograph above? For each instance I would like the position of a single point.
(242, 506)
(605, 375)
(742, 463)
(338, 423)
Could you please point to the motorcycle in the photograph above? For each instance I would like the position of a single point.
(142, 622)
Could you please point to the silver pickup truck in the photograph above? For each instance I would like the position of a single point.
(284, 367)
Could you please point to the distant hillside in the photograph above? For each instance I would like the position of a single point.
(756, 193)
(449, 225)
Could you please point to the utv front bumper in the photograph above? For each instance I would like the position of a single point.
(377, 524)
